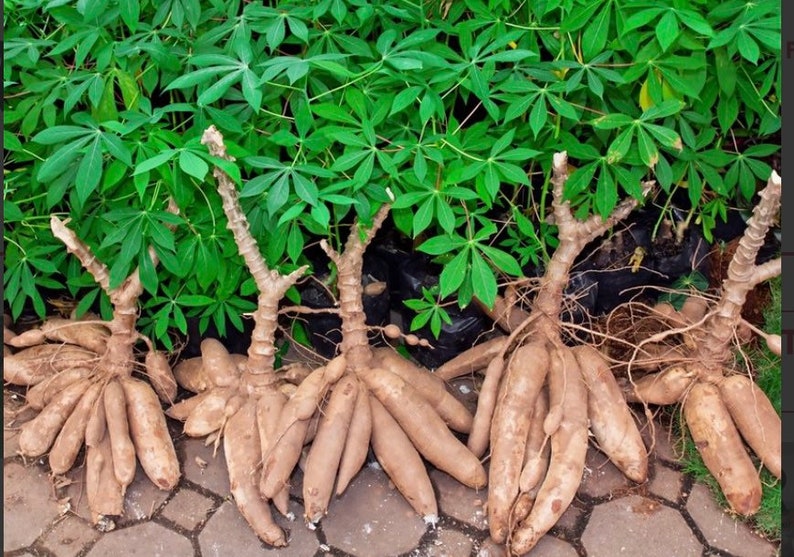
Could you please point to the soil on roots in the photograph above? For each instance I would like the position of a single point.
(624, 328)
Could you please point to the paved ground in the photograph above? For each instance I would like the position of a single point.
(667, 517)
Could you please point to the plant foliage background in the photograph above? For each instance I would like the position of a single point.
(331, 107)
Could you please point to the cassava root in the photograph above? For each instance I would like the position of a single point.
(724, 409)
(539, 396)
(79, 375)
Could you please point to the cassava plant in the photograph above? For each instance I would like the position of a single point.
(723, 408)
(764, 366)
(243, 400)
(539, 395)
(361, 398)
(457, 106)
(404, 413)
(80, 377)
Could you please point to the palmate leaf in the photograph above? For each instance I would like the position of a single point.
(482, 279)
(221, 72)
(89, 170)
(89, 145)
(454, 114)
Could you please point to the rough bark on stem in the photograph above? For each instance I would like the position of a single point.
(271, 285)
(118, 357)
(573, 236)
(743, 273)
(349, 265)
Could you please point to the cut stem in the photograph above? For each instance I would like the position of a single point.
(117, 359)
(573, 235)
(743, 273)
(349, 265)
(272, 285)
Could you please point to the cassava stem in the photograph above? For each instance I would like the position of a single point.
(271, 285)
(743, 273)
(349, 265)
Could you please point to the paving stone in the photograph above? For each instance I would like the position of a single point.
(75, 491)
(68, 537)
(636, 525)
(142, 499)
(450, 543)
(459, 501)
(569, 520)
(147, 540)
(489, 548)
(202, 468)
(227, 533)
(10, 442)
(302, 540)
(664, 440)
(188, 509)
(372, 518)
(722, 530)
(666, 483)
(549, 546)
(602, 478)
(28, 505)
(13, 418)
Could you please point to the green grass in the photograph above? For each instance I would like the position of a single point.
(766, 366)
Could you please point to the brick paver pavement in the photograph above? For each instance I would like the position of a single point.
(667, 517)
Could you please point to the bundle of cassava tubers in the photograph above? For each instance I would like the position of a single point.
(723, 407)
(539, 396)
(79, 374)
(242, 400)
(359, 399)
(406, 414)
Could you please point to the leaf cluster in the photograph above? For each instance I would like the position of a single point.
(333, 107)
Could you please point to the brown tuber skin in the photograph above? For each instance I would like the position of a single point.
(505, 418)
(78, 372)
(723, 407)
